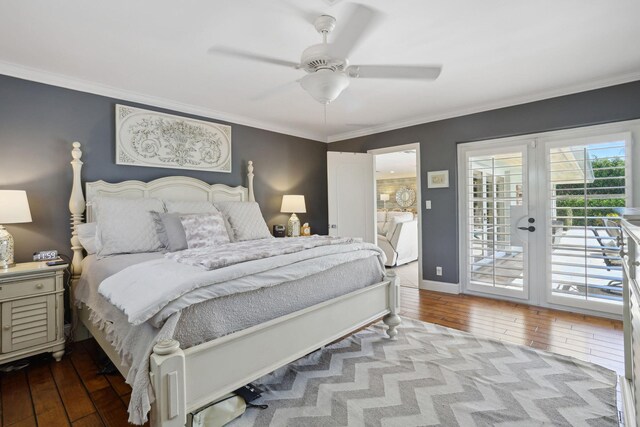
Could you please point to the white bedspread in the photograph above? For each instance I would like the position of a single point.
(162, 287)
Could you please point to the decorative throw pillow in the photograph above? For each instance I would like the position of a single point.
(196, 206)
(87, 236)
(204, 229)
(170, 231)
(246, 220)
(126, 226)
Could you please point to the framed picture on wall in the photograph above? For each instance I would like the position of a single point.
(153, 139)
(438, 179)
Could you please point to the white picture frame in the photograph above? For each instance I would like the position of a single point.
(438, 179)
(152, 139)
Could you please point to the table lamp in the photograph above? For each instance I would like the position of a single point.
(384, 198)
(14, 209)
(293, 204)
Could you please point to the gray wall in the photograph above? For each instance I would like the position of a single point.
(38, 123)
(438, 151)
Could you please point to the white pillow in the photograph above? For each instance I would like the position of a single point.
(189, 206)
(246, 220)
(204, 229)
(87, 237)
(126, 225)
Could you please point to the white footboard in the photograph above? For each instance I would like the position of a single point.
(186, 380)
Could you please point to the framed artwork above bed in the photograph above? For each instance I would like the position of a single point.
(152, 139)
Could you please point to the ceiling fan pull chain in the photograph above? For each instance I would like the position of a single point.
(325, 115)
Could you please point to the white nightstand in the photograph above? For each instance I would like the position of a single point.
(32, 311)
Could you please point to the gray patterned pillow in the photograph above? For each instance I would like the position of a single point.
(246, 220)
(204, 229)
(125, 225)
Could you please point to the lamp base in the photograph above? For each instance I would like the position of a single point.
(293, 226)
(6, 249)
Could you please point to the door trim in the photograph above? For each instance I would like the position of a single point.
(395, 148)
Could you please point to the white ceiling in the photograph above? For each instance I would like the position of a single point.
(399, 164)
(494, 53)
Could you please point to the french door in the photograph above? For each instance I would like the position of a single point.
(498, 214)
(538, 220)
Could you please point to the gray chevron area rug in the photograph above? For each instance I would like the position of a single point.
(434, 376)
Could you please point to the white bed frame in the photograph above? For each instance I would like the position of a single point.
(186, 380)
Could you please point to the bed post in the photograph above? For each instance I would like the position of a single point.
(250, 177)
(76, 207)
(392, 320)
(169, 387)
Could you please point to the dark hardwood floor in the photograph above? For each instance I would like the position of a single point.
(72, 393)
(588, 338)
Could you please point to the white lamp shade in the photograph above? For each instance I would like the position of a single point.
(384, 197)
(14, 207)
(324, 85)
(293, 204)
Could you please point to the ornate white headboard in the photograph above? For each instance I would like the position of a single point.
(168, 188)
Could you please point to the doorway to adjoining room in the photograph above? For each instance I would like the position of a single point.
(397, 192)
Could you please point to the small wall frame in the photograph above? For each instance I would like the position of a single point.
(438, 179)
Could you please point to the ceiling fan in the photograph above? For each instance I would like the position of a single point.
(327, 65)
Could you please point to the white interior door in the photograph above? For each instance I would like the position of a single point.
(351, 196)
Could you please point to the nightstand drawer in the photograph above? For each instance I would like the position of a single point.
(27, 287)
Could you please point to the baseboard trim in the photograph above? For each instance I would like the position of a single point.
(432, 285)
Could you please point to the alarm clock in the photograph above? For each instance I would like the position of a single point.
(279, 230)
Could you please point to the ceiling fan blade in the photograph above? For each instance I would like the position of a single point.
(236, 53)
(361, 21)
(308, 16)
(421, 72)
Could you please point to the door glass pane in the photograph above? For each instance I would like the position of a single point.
(586, 183)
(495, 187)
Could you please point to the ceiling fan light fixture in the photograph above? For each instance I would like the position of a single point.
(324, 85)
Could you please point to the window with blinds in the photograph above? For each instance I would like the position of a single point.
(586, 183)
(495, 187)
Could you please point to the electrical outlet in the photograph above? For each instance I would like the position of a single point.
(438, 271)
(45, 255)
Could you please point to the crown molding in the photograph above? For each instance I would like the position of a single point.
(509, 102)
(60, 80)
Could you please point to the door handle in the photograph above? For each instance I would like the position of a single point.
(530, 228)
